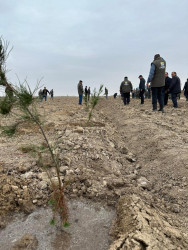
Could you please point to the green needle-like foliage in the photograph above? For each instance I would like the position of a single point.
(9, 130)
(86, 102)
(52, 222)
(94, 101)
(2, 78)
(22, 97)
(5, 106)
(25, 95)
(66, 224)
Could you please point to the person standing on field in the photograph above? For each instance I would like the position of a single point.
(157, 79)
(133, 94)
(88, 93)
(166, 88)
(106, 93)
(142, 88)
(115, 95)
(80, 92)
(175, 88)
(44, 94)
(40, 93)
(186, 90)
(125, 89)
(52, 94)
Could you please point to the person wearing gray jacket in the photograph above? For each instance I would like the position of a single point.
(80, 92)
(125, 89)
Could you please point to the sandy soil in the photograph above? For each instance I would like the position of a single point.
(128, 157)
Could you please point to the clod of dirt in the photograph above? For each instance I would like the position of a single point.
(28, 242)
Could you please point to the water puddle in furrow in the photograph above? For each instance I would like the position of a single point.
(89, 228)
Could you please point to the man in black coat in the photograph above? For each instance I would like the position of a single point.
(175, 88)
(166, 87)
(142, 88)
(115, 95)
(80, 91)
(125, 88)
(186, 90)
(88, 93)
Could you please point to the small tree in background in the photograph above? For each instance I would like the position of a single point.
(91, 104)
(22, 97)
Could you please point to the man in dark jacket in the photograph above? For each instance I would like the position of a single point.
(40, 93)
(52, 94)
(125, 89)
(142, 88)
(44, 94)
(175, 88)
(80, 92)
(106, 93)
(86, 92)
(166, 88)
(157, 79)
(186, 90)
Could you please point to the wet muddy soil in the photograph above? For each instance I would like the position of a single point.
(89, 228)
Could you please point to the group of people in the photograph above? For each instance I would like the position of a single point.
(43, 94)
(86, 92)
(126, 87)
(160, 84)
(147, 93)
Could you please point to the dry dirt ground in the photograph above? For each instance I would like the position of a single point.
(129, 157)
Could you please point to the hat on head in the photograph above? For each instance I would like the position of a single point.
(156, 56)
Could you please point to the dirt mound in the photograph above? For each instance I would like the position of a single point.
(21, 189)
(13, 195)
(139, 226)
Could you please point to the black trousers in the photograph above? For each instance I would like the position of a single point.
(186, 95)
(157, 94)
(149, 93)
(126, 98)
(174, 100)
(142, 96)
(165, 98)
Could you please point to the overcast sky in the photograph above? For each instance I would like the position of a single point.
(97, 41)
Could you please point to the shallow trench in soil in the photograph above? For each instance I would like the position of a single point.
(89, 228)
